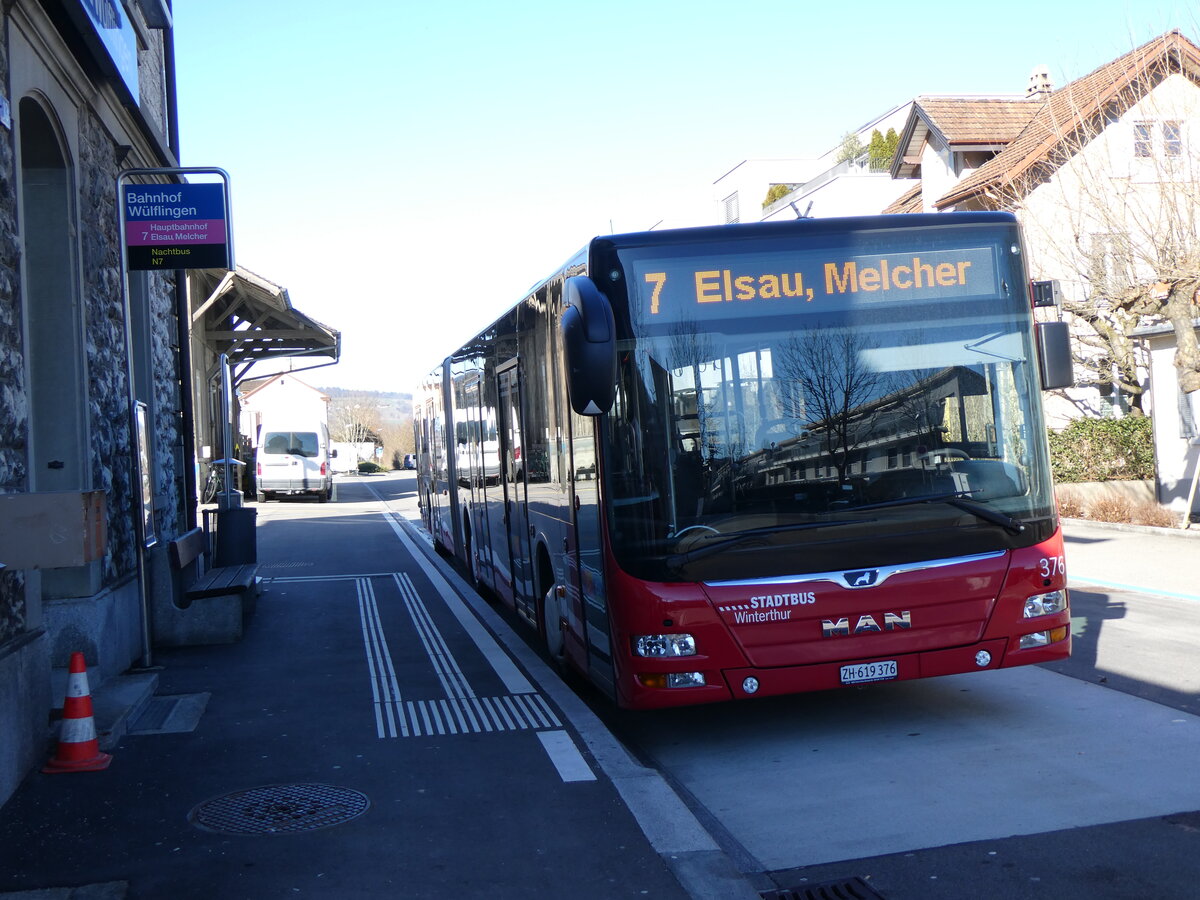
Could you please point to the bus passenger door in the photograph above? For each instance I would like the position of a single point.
(473, 471)
(512, 480)
(590, 624)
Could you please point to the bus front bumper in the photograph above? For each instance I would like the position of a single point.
(745, 683)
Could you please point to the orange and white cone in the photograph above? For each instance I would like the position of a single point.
(78, 748)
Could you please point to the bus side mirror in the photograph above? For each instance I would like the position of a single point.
(589, 335)
(1054, 355)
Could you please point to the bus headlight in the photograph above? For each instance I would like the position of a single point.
(672, 679)
(1045, 604)
(1044, 638)
(657, 646)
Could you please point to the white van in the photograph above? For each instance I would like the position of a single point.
(295, 459)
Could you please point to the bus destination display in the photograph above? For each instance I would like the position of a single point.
(710, 287)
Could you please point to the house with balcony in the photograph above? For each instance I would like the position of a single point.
(820, 186)
(1102, 174)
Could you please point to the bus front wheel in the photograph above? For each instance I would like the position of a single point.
(552, 626)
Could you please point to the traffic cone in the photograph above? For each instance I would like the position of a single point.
(78, 748)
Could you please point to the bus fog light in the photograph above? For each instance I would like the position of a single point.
(983, 659)
(663, 645)
(1045, 604)
(750, 685)
(685, 679)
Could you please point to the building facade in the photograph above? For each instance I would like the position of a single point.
(87, 93)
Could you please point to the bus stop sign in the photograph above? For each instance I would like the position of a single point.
(176, 226)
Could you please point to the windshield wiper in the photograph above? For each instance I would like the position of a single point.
(959, 500)
(676, 560)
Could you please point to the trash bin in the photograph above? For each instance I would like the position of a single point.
(235, 542)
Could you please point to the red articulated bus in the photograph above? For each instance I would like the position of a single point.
(719, 463)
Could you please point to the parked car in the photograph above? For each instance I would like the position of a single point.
(410, 461)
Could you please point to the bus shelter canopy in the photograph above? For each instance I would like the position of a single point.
(251, 319)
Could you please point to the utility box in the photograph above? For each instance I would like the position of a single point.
(52, 529)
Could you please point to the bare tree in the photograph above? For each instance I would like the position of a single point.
(355, 418)
(398, 439)
(1116, 210)
(832, 390)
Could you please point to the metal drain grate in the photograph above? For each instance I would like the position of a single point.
(280, 809)
(154, 714)
(170, 714)
(848, 889)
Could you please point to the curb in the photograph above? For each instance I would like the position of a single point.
(1134, 529)
(115, 702)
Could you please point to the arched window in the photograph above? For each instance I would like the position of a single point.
(54, 343)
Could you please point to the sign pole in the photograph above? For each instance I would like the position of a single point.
(144, 531)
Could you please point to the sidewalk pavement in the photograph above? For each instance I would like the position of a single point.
(1137, 558)
(271, 773)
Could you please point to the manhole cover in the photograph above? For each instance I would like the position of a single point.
(280, 809)
(849, 889)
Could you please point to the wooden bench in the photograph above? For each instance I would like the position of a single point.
(215, 581)
(207, 606)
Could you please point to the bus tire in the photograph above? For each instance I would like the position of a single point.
(469, 548)
(551, 626)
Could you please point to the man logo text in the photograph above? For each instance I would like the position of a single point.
(865, 624)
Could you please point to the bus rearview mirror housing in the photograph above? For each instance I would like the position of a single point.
(589, 336)
(1054, 355)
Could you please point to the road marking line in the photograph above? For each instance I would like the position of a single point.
(566, 756)
(385, 689)
(429, 718)
(462, 712)
(501, 663)
(1136, 589)
(445, 665)
(483, 716)
(522, 708)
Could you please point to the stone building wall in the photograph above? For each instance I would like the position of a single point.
(105, 341)
(108, 388)
(94, 609)
(13, 409)
(169, 500)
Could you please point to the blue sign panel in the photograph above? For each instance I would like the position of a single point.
(114, 30)
(175, 226)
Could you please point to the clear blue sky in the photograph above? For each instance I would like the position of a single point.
(407, 168)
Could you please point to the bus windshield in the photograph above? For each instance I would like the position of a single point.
(815, 408)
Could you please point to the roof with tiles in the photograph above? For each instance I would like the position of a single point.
(960, 122)
(1059, 122)
(908, 202)
(977, 120)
